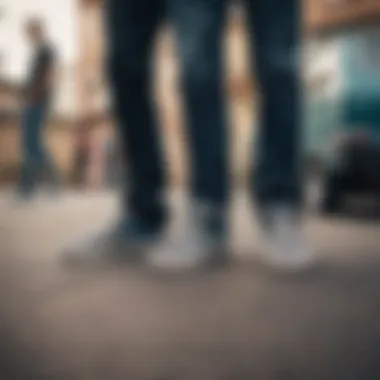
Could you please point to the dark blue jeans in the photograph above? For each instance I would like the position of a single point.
(132, 27)
(199, 27)
(35, 160)
(275, 36)
(274, 39)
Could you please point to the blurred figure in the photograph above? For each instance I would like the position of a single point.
(132, 28)
(199, 29)
(38, 95)
(274, 32)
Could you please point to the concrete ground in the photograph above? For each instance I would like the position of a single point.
(243, 323)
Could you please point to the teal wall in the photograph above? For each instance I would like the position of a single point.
(322, 121)
(358, 101)
(360, 60)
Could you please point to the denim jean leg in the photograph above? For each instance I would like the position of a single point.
(42, 157)
(30, 125)
(198, 27)
(131, 29)
(274, 26)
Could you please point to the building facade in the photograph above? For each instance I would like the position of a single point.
(83, 86)
(320, 70)
(323, 16)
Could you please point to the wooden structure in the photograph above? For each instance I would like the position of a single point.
(320, 16)
(326, 16)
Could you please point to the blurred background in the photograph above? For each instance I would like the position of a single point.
(243, 323)
(341, 69)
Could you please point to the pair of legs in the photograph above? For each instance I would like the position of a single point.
(132, 29)
(35, 160)
(199, 27)
(274, 38)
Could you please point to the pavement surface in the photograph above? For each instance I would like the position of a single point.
(245, 322)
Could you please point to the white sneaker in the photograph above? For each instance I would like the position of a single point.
(285, 246)
(197, 246)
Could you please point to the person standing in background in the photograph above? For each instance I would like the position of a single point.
(38, 97)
